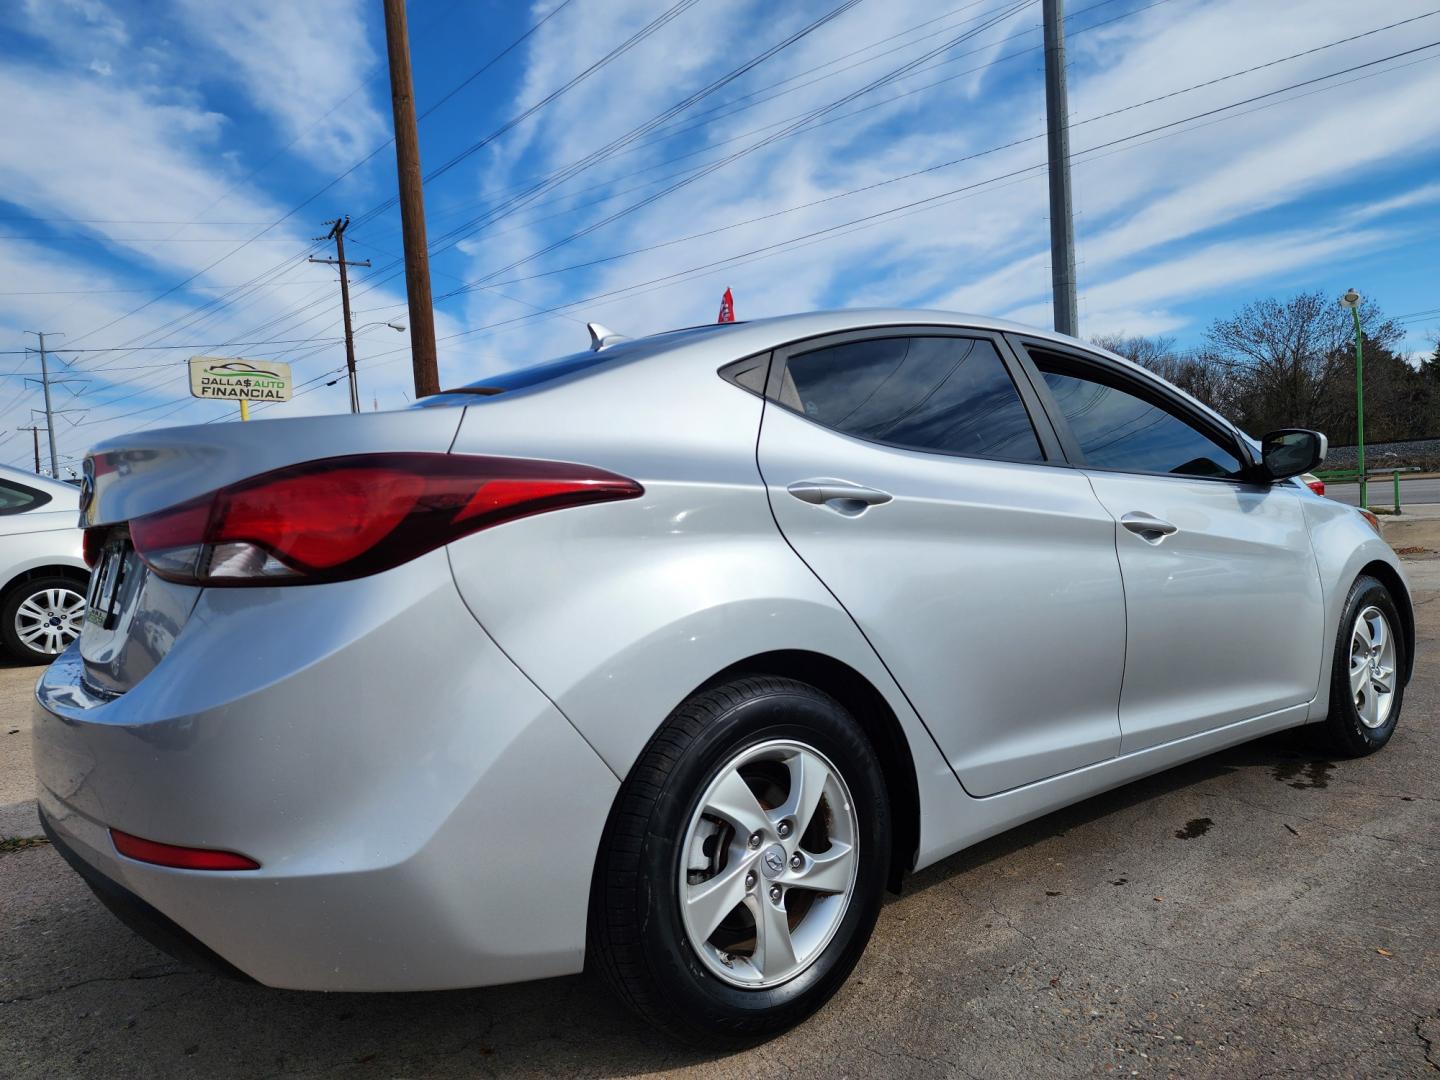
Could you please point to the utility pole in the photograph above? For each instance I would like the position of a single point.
(49, 412)
(1062, 223)
(337, 233)
(1351, 300)
(34, 429)
(412, 202)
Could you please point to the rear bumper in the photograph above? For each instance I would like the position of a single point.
(150, 923)
(423, 816)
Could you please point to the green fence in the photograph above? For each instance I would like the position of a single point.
(1370, 475)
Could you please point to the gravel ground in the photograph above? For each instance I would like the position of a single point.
(1265, 912)
(1424, 453)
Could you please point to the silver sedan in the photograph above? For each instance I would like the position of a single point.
(667, 658)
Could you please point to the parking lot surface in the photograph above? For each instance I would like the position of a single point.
(1265, 912)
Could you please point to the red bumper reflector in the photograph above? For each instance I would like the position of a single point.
(182, 858)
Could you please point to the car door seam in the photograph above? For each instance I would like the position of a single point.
(770, 505)
(1124, 610)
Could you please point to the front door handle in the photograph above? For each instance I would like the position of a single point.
(1147, 526)
(840, 495)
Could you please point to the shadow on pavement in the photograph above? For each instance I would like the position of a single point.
(163, 1019)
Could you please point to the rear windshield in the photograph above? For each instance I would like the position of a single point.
(575, 363)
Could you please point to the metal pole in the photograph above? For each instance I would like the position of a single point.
(49, 414)
(1062, 224)
(412, 202)
(244, 409)
(1360, 402)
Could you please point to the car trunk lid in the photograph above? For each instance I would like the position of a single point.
(133, 616)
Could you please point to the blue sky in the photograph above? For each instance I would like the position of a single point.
(159, 157)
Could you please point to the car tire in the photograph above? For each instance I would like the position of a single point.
(1367, 678)
(26, 643)
(665, 845)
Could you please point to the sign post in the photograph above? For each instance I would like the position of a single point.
(233, 378)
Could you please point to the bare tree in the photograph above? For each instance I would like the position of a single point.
(1286, 361)
(1191, 372)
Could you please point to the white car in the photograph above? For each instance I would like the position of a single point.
(42, 599)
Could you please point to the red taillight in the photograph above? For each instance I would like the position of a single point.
(93, 544)
(182, 858)
(1317, 486)
(346, 517)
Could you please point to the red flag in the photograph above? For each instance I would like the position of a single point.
(727, 307)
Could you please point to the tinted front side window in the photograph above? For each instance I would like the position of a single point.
(1117, 430)
(946, 394)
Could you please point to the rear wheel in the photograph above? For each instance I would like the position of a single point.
(1367, 680)
(41, 617)
(743, 866)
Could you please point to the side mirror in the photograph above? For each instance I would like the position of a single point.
(1291, 451)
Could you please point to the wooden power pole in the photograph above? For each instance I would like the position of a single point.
(412, 202)
(35, 430)
(337, 233)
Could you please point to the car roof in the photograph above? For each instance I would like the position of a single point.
(716, 343)
(56, 489)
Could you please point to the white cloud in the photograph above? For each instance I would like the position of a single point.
(1269, 200)
(299, 62)
(118, 156)
(90, 22)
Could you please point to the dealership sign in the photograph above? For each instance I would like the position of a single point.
(231, 378)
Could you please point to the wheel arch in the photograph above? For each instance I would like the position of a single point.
(865, 702)
(78, 574)
(1386, 574)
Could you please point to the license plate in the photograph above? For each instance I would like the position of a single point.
(108, 583)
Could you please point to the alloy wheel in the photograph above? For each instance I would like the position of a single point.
(769, 863)
(47, 621)
(1372, 667)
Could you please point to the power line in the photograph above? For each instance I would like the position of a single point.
(838, 118)
(865, 221)
(944, 164)
(455, 235)
(645, 31)
(1092, 151)
(295, 209)
(661, 20)
(148, 348)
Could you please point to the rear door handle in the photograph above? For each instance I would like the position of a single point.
(840, 495)
(1148, 526)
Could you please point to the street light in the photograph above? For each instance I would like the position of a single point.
(1351, 300)
(354, 385)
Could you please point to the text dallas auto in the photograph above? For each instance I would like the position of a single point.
(238, 379)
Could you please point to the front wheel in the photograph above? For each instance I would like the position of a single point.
(41, 617)
(743, 866)
(1367, 682)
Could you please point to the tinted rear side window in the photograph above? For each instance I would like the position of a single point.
(16, 498)
(950, 395)
(1117, 430)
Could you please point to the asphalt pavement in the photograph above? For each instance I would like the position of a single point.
(1381, 492)
(1266, 912)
